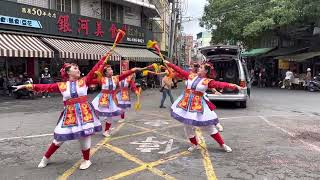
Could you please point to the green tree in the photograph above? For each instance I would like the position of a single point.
(245, 20)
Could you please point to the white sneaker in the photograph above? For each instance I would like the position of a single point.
(219, 127)
(193, 147)
(48, 96)
(85, 164)
(107, 133)
(43, 163)
(121, 121)
(226, 148)
(43, 97)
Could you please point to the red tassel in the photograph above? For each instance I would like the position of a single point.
(122, 116)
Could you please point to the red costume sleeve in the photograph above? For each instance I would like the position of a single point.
(98, 67)
(125, 74)
(221, 85)
(45, 87)
(181, 72)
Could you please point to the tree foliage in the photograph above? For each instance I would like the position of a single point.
(243, 20)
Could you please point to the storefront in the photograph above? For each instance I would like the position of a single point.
(32, 38)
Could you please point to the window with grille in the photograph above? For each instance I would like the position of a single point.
(113, 12)
(64, 5)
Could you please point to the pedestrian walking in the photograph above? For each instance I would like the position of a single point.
(166, 86)
(308, 77)
(190, 109)
(78, 120)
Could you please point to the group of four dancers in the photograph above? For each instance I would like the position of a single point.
(80, 118)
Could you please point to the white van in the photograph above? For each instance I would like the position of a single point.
(229, 68)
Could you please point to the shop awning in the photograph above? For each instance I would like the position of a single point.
(285, 51)
(12, 45)
(300, 57)
(256, 52)
(137, 54)
(80, 50)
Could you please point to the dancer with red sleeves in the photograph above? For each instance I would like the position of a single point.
(106, 102)
(78, 120)
(191, 108)
(125, 85)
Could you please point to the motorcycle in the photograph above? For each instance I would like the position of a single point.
(24, 92)
(314, 85)
(142, 83)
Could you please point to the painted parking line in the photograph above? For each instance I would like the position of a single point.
(143, 165)
(226, 118)
(25, 137)
(158, 133)
(211, 175)
(310, 145)
(71, 170)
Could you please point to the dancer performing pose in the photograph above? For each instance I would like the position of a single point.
(106, 102)
(124, 85)
(195, 70)
(191, 108)
(78, 120)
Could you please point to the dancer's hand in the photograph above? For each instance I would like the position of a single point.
(238, 87)
(166, 62)
(19, 87)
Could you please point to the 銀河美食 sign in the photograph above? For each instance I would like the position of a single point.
(56, 23)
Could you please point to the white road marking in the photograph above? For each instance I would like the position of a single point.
(312, 146)
(156, 123)
(235, 117)
(25, 137)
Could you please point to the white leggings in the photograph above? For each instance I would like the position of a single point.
(85, 143)
(190, 130)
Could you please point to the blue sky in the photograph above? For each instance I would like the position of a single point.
(195, 9)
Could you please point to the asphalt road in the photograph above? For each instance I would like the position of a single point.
(276, 137)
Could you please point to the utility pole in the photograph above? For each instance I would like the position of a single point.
(172, 27)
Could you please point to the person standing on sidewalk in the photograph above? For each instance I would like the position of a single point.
(166, 86)
(45, 79)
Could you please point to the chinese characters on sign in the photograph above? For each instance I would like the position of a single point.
(20, 22)
(64, 24)
(38, 12)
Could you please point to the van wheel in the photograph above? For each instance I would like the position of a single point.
(243, 104)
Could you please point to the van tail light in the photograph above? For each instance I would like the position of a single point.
(243, 84)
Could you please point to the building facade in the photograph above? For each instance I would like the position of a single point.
(187, 48)
(45, 33)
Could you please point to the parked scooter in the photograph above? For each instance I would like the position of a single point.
(314, 85)
(141, 83)
(24, 92)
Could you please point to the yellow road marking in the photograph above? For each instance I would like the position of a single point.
(136, 160)
(156, 131)
(71, 170)
(143, 165)
(206, 158)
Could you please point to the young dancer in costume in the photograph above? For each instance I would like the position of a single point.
(125, 85)
(191, 108)
(78, 120)
(106, 102)
(195, 70)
